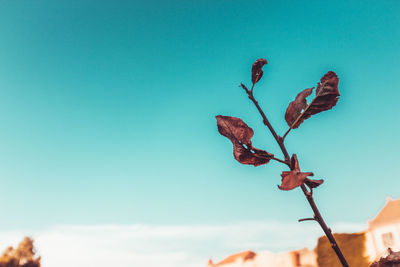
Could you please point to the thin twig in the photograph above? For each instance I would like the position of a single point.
(306, 219)
(281, 161)
(267, 123)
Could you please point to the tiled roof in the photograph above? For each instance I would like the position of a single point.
(390, 213)
(245, 255)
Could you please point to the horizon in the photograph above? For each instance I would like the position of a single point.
(146, 245)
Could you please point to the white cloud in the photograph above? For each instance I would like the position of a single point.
(164, 245)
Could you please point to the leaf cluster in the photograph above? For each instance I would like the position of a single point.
(326, 96)
(240, 134)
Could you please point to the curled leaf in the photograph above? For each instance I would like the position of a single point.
(248, 156)
(240, 135)
(256, 70)
(297, 106)
(326, 96)
(313, 183)
(294, 178)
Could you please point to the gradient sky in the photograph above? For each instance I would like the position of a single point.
(107, 109)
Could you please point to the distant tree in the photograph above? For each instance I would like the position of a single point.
(22, 256)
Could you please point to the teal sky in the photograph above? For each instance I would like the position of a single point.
(107, 109)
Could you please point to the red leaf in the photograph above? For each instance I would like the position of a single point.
(326, 97)
(256, 70)
(297, 106)
(294, 178)
(313, 183)
(329, 85)
(235, 129)
(246, 156)
(240, 135)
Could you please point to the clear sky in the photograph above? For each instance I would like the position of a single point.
(107, 110)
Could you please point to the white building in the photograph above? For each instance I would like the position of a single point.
(384, 230)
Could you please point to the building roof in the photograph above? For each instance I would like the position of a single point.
(390, 213)
(245, 255)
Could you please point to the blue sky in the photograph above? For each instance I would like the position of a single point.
(107, 110)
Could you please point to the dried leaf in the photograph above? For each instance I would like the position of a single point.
(246, 156)
(313, 183)
(327, 94)
(297, 106)
(256, 70)
(329, 85)
(234, 129)
(294, 178)
(240, 135)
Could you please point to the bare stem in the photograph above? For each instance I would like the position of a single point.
(281, 161)
(325, 228)
(266, 122)
(306, 219)
(308, 194)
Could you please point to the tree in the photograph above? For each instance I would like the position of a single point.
(22, 256)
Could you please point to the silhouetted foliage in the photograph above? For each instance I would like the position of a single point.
(326, 96)
(22, 256)
(352, 246)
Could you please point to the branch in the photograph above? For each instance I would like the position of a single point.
(278, 139)
(279, 160)
(308, 194)
(307, 219)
